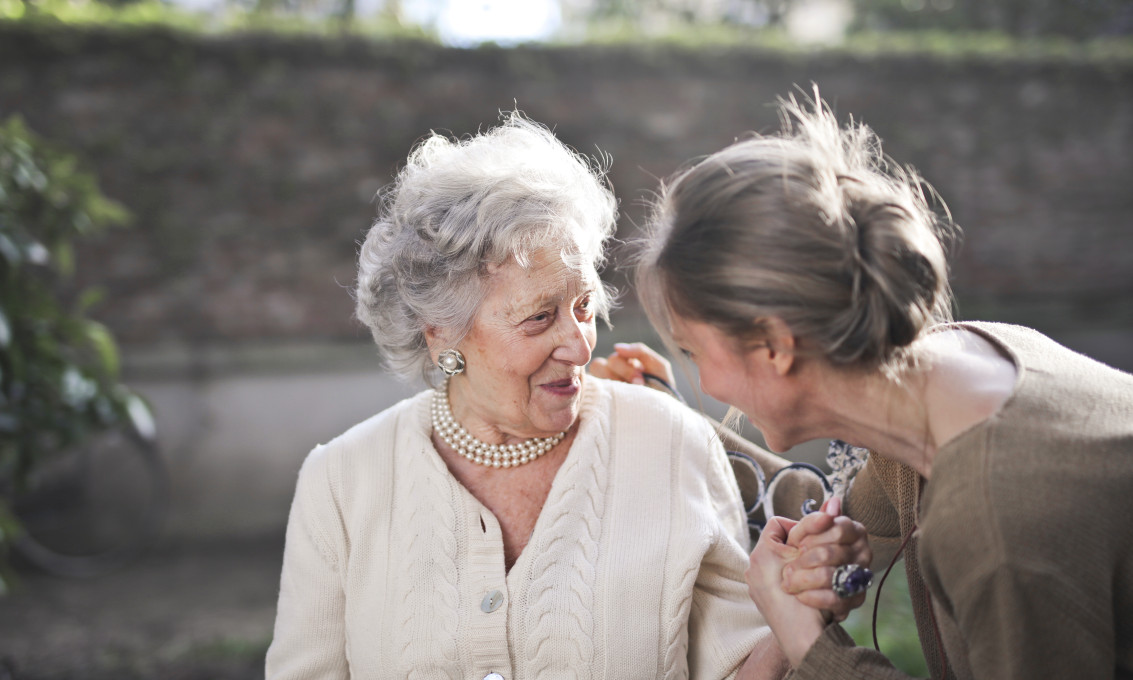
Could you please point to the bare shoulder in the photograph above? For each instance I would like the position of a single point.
(969, 380)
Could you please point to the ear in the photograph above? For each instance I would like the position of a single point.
(435, 339)
(780, 345)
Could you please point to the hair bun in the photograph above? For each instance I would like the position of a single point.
(897, 285)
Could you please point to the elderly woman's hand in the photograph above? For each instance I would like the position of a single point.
(825, 541)
(795, 624)
(630, 362)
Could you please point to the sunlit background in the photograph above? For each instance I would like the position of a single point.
(510, 22)
(467, 23)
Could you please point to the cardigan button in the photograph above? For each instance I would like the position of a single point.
(491, 603)
(493, 676)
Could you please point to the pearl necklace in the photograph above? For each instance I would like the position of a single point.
(491, 455)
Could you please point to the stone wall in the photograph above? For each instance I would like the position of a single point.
(250, 164)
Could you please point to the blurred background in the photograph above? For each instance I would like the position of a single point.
(246, 140)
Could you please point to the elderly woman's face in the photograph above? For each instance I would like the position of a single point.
(527, 349)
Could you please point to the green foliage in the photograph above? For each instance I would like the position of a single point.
(236, 16)
(143, 12)
(58, 367)
(990, 46)
(1092, 31)
(1025, 18)
(896, 627)
(1080, 19)
(232, 648)
(936, 45)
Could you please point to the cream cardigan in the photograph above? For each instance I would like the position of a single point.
(635, 568)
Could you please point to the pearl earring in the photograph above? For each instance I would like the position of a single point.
(451, 362)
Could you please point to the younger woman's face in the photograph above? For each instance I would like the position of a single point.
(744, 376)
(719, 360)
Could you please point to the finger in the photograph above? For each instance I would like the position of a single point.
(863, 554)
(651, 361)
(816, 523)
(615, 367)
(841, 530)
(832, 506)
(625, 370)
(599, 368)
(796, 580)
(774, 537)
(641, 351)
(777, 529)
(827, 555)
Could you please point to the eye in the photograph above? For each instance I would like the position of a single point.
(540, 320)
(586, 307)
(687, 353)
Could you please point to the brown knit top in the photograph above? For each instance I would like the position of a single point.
(1022, 561)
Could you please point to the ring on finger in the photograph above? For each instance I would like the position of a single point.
(850, 580)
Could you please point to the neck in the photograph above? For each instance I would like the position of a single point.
(465, 409)
(872, 411)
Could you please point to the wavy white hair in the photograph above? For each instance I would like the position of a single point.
(459, 207)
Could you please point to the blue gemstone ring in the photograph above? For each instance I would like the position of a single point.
(850, 580)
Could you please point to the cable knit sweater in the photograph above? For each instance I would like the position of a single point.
(635, 568)
(1023, 560)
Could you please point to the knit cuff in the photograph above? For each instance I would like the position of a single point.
(827, 657)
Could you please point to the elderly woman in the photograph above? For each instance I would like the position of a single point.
(806, 277)
(521, 519)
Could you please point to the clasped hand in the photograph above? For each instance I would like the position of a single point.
(792, 566)
(791, 570)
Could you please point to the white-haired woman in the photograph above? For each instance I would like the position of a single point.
(806, 277)
(519, 520)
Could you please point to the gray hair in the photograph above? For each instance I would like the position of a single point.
(814, 226)
(460, 206)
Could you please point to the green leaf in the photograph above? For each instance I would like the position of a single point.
(89, 298)
(60, 367)
(104, 346)
(29, 177)
(64, 258)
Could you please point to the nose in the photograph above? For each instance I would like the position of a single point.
(574, 342)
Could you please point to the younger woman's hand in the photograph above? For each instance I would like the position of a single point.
(630, 362)
(825, 540)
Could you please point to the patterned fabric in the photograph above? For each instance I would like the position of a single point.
(844, 460)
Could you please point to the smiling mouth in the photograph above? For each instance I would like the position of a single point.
(566, 384)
